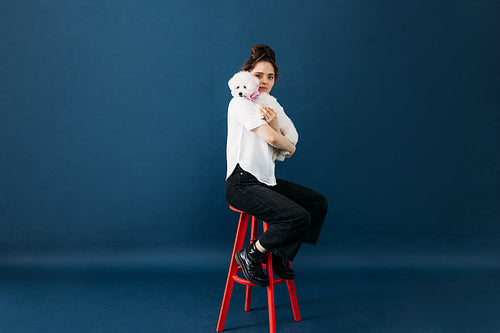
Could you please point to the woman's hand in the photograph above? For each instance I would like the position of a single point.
(270, 117)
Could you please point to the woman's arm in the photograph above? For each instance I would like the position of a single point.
(275, 139)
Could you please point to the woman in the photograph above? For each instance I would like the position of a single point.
(295, 214)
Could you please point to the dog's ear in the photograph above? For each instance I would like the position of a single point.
(234, 80)
(230, 83)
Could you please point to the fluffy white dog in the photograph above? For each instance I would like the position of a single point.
(245, 85)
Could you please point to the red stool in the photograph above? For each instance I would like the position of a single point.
(234, 268)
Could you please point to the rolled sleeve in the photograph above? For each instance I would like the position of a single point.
(244, 112)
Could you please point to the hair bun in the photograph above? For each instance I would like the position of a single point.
(260, 50)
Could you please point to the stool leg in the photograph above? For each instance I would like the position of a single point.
(270, 290)
(293, 299)
(253, 236)
(233, 267)
(248, 298)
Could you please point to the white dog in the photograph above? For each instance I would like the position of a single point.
(245, 85)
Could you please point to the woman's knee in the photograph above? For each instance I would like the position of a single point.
(322, 203)
(303, 219)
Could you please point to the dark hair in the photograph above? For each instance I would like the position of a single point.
(261, 52)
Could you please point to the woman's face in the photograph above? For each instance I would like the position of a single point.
(264, 71)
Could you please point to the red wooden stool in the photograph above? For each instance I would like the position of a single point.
(234, 268)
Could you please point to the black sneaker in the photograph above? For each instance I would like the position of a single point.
(280, 267)
(250, 260)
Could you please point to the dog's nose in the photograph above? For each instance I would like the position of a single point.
(240, 93)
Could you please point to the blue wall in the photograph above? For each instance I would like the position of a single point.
(113, 121)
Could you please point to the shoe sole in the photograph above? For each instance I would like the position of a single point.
(257, 283)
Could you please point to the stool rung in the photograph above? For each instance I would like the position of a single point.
(240, 280)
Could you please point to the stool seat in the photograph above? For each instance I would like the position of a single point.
(235, 209)
(234, 269)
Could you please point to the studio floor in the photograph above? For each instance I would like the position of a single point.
(161, 299)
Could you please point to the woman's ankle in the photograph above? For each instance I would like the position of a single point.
(260, 247)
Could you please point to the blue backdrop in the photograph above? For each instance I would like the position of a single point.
(113, 123)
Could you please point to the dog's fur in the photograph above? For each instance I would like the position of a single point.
(286, 125)
(245, 85)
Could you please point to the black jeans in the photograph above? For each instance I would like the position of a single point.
(295, 213)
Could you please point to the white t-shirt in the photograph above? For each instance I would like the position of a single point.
(244, 146)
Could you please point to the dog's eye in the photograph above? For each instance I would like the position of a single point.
(244, 87)
(238, 87)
